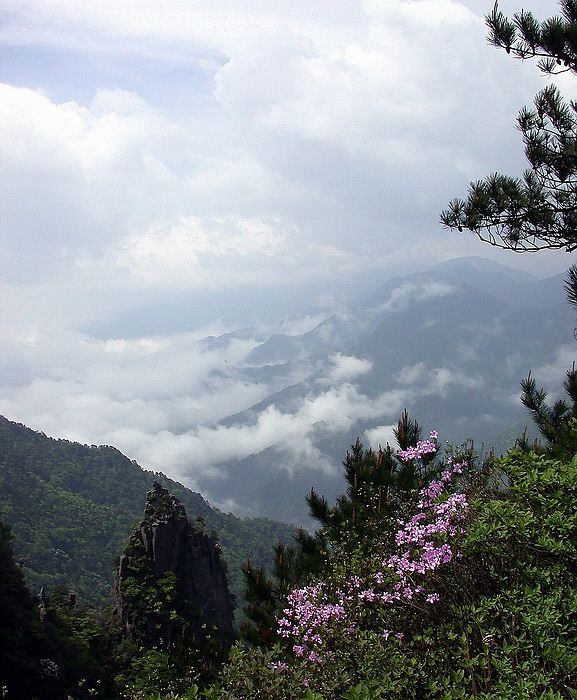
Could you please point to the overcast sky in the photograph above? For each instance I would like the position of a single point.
(177, 167)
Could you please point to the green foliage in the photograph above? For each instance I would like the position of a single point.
(21, 643)
(365, 691)
(553, 41)
(82, 648)
(522, 623)
(72, 507)
(557, 423)
(378, 484)
(263, 594)
(153, 671)
(539, 211)
(506, 623)
(150, 602)
(59, 653)
(570, 285)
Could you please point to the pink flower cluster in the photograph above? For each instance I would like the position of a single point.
(423, 447)
(422, 540)
(307, 618)
(424, 544)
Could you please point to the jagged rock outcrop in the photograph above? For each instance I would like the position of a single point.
(171, 582)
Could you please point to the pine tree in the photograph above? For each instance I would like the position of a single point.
(557, 423)
(571, 290)
(553, 42)
(571, 285)
(263, 594)
(377, 484)
(540, 210)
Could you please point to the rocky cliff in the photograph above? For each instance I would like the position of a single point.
(171, 582)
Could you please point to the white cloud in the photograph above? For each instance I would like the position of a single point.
(436, 380)
(443, 378)
(345, 368)
(229, 145)
(410, 292)
(175, 253)
(381, 436)
(159, 399)
(331, 127)
(411, 374)
(76, 179)
(147, 384)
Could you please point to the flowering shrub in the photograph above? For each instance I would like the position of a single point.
(315, 615)
(308, 618)
(423, 447)
(469, 596)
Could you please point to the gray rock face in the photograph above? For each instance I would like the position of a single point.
(172, 544)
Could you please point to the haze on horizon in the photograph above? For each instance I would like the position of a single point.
(174, 170)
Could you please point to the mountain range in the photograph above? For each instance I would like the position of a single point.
(450, 344)
(253, 419)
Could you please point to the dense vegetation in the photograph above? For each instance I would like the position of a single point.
(438, 574)
(71, 508)
(50, 647)
(474, 596)
(462, 587)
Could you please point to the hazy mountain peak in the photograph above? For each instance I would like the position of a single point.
(485, 266)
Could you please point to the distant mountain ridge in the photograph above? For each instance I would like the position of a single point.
(451, 344)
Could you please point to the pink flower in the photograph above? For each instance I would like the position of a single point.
(278, 666)
(424, 543)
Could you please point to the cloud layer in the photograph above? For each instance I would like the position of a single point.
(313, 133)
(173, 164)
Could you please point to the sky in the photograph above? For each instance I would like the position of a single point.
(178, 168)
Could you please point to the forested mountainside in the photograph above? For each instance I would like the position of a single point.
(71, 508)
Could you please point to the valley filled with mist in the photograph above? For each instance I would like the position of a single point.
(256, 417)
